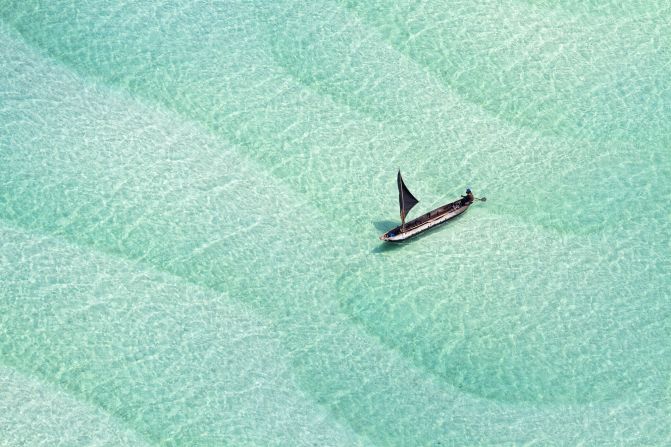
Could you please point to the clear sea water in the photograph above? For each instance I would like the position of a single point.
(191, 194)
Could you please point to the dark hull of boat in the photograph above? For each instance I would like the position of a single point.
(425, 222)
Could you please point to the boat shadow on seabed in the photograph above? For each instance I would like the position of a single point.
(384, 225)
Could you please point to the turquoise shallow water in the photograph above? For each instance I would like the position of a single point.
(191, 194)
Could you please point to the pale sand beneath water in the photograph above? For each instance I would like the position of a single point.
(191, 195)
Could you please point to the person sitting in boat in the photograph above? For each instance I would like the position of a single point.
(468, 198)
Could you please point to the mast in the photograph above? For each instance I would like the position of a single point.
(402, 209)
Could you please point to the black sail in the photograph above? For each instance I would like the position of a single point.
(405, 198)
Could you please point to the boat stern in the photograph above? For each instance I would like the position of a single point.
(392, 236)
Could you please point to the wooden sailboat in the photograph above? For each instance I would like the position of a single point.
(425, 221)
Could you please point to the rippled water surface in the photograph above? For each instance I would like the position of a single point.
(191, 194)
